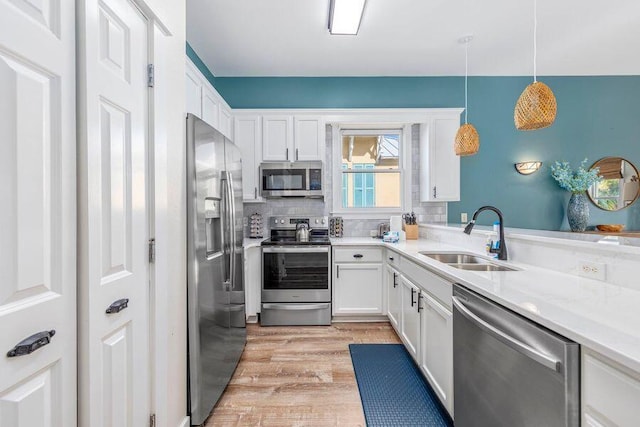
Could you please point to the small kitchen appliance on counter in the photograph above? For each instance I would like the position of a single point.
(296, 267)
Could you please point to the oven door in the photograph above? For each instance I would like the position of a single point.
(296, 274)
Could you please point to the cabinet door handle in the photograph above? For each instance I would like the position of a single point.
(434, 192)
(118, 306)
(287, 154)
(395, 276)
(337, 271)
(297, 154)
(255, 192)
(358, 256)
(413, 291)
(419, 299)
(31, 344)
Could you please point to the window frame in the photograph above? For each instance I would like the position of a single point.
(404, 168)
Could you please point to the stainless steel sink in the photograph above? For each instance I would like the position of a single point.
(453, 258)
(482, 267)
(467, 261)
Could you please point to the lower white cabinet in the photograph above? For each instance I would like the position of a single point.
(394, 297)
(410, 317)
(357, 288)
(610, 393)
(252, 280)
(436, 348)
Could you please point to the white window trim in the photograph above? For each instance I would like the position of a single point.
(405, 165)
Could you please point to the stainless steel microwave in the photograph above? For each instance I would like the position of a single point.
(291, 179)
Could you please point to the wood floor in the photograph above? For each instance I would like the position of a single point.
(298, 376)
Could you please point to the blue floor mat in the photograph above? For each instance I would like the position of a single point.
(392, 389)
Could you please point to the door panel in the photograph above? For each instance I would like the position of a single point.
(114, 353)
(38, 218)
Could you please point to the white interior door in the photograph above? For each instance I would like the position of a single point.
(38, 214)
(114, 266)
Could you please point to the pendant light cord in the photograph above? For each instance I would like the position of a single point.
(466, 74)
(535, 36)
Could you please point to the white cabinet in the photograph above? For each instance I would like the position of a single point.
(439, 165)
(436, 348)
(292, 138)
(203, 101)
(248, 137)
(610, 393)
(410, 317)
(357, 282)
(393, 297)
(252, 280)
(193, 88)
(210, 107)
(277, 138)
(308, 138)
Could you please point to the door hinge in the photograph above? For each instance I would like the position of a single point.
(152, 420)
(150, 76)
(152, 250)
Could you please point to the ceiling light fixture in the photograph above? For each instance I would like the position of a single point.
(536, 108)
(467, 142)
(345, 16)
(527, 168)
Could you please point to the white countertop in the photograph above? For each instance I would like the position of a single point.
(251, 243)
(601, 316)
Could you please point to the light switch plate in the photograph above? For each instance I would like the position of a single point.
(463, 217)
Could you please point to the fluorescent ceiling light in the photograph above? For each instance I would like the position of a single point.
(345, 16)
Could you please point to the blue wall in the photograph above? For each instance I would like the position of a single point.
(597, 117)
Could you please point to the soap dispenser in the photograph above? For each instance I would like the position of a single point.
(496, 243)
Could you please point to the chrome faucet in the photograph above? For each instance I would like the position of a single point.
(502, 249)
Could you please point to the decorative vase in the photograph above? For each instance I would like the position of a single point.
(578, 212)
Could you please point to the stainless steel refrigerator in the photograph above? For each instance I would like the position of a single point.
(215, 285)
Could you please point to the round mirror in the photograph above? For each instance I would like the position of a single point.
(619, 187)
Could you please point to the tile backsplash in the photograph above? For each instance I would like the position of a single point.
(431, 213)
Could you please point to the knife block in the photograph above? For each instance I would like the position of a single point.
(411, 230)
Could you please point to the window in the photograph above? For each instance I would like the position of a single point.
(372, 174)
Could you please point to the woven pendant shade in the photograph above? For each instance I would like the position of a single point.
(467, 140)
(536, 108)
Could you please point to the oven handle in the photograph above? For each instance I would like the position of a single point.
(297, 249)
(292, 307)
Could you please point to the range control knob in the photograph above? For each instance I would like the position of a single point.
(316, 220)
(282, 221)
(323, 220)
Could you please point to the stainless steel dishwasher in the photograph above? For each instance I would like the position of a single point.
(509, 371)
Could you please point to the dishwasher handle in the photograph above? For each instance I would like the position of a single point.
(530, 352)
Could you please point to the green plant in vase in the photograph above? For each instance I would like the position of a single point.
(578, 182)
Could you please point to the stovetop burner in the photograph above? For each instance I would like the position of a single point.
(283, 231)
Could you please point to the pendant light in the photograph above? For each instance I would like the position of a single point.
(467, 142)
(536, 108)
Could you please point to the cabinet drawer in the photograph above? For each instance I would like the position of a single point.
(440, 288)
(609, 395)
(357, 255)
(393, 258)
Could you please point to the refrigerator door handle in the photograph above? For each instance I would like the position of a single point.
(232, 230)
(509, 341)
(227, 243)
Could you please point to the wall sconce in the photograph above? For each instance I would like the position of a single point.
(527, 168)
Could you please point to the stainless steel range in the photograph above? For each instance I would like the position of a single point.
(296, 272)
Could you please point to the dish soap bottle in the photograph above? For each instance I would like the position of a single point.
(489, 243)
(496, 243)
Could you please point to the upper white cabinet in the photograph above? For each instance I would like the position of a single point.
(439, 165)
(248, 137)
(277, 138)
(205, 102)
(308, 138)
(292, 138)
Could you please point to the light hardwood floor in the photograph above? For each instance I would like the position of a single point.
(298, 376)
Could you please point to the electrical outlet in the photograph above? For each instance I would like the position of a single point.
(373, 233)
(463, 217)
(592, 270)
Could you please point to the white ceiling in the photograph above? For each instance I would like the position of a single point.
(416, 38)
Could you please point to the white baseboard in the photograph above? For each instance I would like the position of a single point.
(186, 422)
